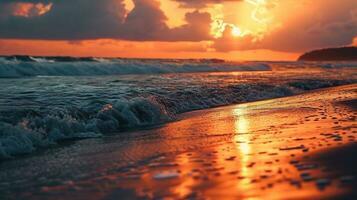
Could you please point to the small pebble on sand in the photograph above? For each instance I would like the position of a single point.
(322, 183)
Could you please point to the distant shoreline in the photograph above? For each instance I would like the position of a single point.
(331, 54)
(32, 58)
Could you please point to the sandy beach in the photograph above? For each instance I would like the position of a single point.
(288, 148)
(178, 99)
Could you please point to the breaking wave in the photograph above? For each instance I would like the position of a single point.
(25, 130)
(27, 66)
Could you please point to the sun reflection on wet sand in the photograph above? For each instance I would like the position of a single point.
(238, 154)
(242, 140)
(184, 188)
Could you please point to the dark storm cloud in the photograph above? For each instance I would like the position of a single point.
(75, 19)
(197, 27)
(92, 19)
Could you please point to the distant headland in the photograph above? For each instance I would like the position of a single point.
(331, 54)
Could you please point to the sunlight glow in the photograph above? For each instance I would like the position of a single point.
(260, 20)
(261, 11)
(236, 32)
(242, 138)
(185, 187)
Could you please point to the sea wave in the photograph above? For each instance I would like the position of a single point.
(25, 130)
(27, 66)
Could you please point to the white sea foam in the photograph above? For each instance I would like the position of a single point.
(37, 112)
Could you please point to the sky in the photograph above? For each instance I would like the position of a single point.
(227, 29)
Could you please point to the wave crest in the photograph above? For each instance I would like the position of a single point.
(36, 66)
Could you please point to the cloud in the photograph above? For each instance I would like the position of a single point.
(145, 22)
(201, 3)
(309, 24)
(324, 23)
(93, 19)
(197, 28)
(73, 21)
(354, 42)
(228, 42)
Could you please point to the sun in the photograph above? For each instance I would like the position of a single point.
(258, 15)
(236, 32)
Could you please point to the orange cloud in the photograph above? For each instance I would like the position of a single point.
(30, 9)
(316, 27)
(354, 43)
(202, 3)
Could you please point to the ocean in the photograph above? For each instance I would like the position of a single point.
(45, 100)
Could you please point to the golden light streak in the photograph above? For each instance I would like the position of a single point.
(242, 138)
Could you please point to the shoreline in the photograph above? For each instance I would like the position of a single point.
(70, 141)
(204, 151)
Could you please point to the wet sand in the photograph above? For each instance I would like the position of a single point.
(301, 147)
